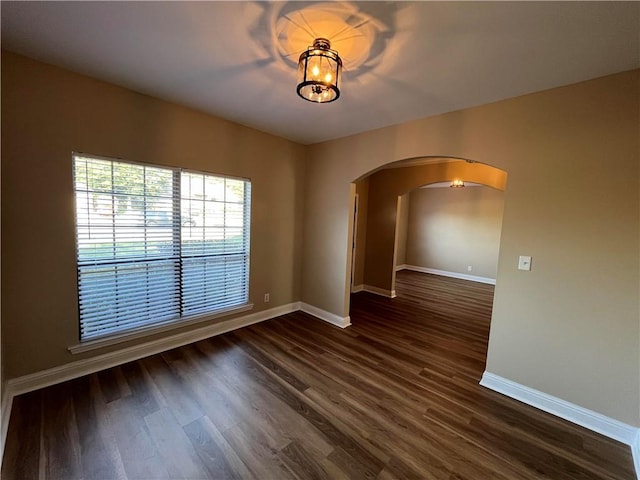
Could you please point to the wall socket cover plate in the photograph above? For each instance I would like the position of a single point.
(524, 262)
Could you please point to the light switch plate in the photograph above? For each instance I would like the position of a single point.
(524, 263)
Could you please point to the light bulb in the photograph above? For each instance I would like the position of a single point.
(315, 70)
(328, 78)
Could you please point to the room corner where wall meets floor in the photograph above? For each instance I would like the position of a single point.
(594, 421)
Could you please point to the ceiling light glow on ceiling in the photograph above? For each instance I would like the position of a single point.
(319, 70)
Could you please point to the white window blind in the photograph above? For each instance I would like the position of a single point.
(157, 244)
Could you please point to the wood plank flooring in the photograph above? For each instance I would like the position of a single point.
(395, 396)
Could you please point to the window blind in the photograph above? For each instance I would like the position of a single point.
(157, 244)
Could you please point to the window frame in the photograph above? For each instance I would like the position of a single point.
(176, 213)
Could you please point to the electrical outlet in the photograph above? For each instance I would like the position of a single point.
(266, 298)
(469, 268)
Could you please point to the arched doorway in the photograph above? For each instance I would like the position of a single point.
(375, 261)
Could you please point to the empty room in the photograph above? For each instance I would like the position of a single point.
(342, 240)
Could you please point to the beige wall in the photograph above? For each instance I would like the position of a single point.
(570, 326)
(362, 190)
(402, 228)
(452, 228)
(47, 113)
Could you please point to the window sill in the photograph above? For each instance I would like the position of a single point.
(152, 330)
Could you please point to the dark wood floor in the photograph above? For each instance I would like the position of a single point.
(395, 396)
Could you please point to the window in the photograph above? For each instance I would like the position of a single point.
(157, 245)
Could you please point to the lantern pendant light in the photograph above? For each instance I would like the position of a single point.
(319, 71)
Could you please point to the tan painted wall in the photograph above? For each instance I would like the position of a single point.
(404, 202)
(384, 188)
(362, 190)
(569, 327)
(46, 114)
(452, 228)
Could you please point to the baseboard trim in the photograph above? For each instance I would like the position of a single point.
(379, 291)
(357, 288)
(584, 417)
(444, 273)
(342, 322)
(635, 453)
(401, 267)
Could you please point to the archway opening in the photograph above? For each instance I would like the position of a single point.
(374, 225)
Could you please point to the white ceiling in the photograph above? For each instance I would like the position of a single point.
(421, 59)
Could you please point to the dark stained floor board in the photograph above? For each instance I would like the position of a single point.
(394, 396)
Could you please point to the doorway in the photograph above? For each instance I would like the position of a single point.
(377, 258)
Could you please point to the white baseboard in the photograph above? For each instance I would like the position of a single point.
(379, 291)
(594, 421)
(635, 452)
(444, 273)
(357, 288)
(401, 267)
(326, 316)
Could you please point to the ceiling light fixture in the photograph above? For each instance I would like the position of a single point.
(319, 70)
(457, 184)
